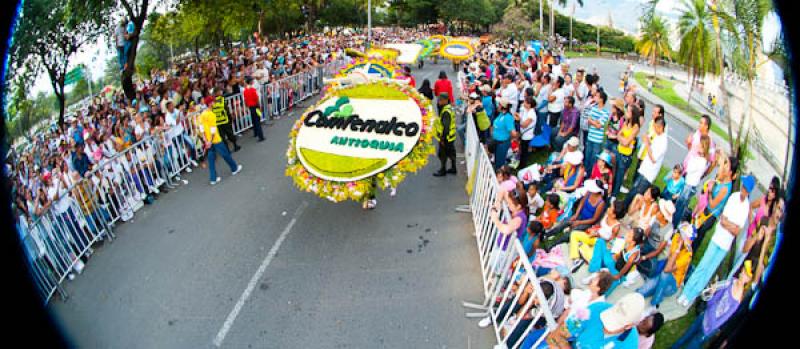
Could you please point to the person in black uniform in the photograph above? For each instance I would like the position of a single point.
(223, 119)
(444, 130)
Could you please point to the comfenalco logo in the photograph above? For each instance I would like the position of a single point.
(348, 139)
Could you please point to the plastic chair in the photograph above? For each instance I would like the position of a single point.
(542, 139)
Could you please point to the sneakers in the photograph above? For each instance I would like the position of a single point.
(238, 169)
(452, 171)
(185, 182)
(219, 179)
(485, 322)
(188, 170)
(576, 264)
(155, 190)
(393, 192)
(194, 163)
(623, 190)
(439, 173)
(236, 148)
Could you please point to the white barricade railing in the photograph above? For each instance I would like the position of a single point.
(86, 212)
(505, 266)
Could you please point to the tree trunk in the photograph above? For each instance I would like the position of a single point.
(130, 65)
(61, 106)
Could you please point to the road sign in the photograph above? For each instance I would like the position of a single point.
(74, 75)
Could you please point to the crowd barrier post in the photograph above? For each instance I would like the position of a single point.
(57, 240)
(505, 266)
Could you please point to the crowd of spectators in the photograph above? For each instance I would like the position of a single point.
(96, 148)
(575, 208)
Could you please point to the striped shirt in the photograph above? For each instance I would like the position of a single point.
(599, 115)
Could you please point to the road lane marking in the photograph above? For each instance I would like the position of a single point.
(256, 277)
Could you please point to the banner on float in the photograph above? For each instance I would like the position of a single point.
(409, 53)
(356, 135)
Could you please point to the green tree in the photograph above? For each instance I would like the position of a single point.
(654, 42)
(48, 35)
(697, 45)
(741, 25)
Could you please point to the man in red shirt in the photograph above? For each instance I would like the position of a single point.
(251, 100)
(443, 85)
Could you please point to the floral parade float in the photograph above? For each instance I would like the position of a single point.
(368, 131)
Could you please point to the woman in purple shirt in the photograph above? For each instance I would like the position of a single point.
(721, 307)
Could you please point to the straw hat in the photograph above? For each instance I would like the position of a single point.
(626, 312)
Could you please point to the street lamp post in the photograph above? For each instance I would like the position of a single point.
(369, 23)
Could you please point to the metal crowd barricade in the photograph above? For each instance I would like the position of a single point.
(56, 241)
(505, 266)
(239, 113)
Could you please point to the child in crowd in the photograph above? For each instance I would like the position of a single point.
(535, 200)
(674, 184)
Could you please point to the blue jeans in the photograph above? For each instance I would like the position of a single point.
(623, 162)
(121, 56)
(212, 157)
(693, 338)
(125, 50)
(590, 154)
(500, 154)
(532, 337)
(683, 202)
(639, 186)
(704, 271)
(659, 287)
(602, 258)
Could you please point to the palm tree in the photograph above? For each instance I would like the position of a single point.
(742, 22)
(695, 28)
(654, 42)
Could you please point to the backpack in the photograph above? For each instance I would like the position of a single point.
(482, 120)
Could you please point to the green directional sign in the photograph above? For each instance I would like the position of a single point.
(73, 75)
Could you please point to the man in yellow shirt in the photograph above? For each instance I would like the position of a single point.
(214, 145)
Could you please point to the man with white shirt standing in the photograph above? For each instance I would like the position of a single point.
(731, 223)
(509, 91)
(555, 102)
(653, 157)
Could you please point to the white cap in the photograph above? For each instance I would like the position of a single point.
(626, 312)
(473, 95)
(574, 142)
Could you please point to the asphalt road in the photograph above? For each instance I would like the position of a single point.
(255, 263)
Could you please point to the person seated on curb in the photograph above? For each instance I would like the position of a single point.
(588, 213)
(569, 178)
(647, 330)
(671, 278)
(603, 170)
(550, 211)
(576, 310)
(617, 264)
(581, 243)
(643, 209)
(608, 326)
(654, 253)
(572, 145)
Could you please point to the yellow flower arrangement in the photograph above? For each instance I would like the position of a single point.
(391, 177)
